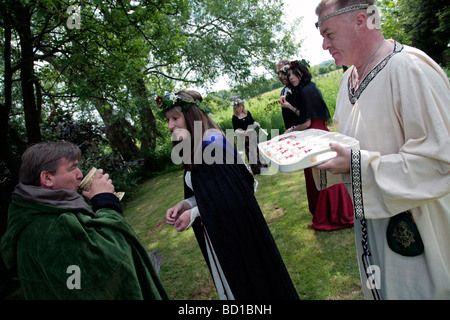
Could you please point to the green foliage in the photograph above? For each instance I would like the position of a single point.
(393, 21)
(323, 68)
(328, 84)
(421, 24)
(447, 71)
(231, 41)
(153, 162)
(257, 86)
(123, 55)
(60, 125)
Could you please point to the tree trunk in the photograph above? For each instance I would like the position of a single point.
(122, 142)
(9, 180)
(149, 132)
(6, 153)
(27, 77)
(116, 128)
(116, 131)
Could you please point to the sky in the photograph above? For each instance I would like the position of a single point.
(312, 40)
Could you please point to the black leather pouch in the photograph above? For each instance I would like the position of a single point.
(403, 237)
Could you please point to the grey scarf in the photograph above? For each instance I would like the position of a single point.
(58, 198)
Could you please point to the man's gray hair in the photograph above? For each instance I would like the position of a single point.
(45, 156)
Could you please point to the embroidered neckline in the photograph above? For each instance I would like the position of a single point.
(398, 47)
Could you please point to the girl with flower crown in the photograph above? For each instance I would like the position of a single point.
(242, 118)
(220, 205)
(305, 108)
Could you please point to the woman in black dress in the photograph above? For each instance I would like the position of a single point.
(242, 118)
(220, 205)
(304, 109)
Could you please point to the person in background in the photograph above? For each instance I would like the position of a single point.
(395, 101)
(62, 247)
(220, 205)
(332, 208)
(283, 78)
(241, 119)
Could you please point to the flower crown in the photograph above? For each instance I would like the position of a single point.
(236, 103)
(292, 64)
(170, 100)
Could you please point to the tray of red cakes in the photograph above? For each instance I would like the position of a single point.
(303, 149)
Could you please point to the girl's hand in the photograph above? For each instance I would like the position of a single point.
(291, 129)
(183, 221)
(174, 213)
(283, 102)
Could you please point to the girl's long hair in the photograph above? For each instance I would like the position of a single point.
(192, 115)
(237, 104)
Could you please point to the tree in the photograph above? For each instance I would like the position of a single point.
(422, 24)
(116, 57)
(393, 21)
(125, 52)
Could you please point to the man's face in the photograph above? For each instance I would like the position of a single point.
(337, 35)
(281, 76)
(67, 176)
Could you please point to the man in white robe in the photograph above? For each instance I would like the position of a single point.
(395, 101)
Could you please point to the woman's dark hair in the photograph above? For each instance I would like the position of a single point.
(302, 72)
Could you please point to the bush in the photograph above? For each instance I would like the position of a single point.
(127, 174)
(154, 161)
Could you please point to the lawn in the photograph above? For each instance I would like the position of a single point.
(322, 265)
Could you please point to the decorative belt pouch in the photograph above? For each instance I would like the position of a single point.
(403, 237)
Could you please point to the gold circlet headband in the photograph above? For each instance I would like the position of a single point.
(341, 11)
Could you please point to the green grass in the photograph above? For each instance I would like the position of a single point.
(322, 265)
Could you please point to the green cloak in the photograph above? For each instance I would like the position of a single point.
(64, 250)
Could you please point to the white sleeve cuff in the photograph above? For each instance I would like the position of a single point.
(191, 201)
(194, 214)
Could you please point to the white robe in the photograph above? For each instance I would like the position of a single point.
(402, 120)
